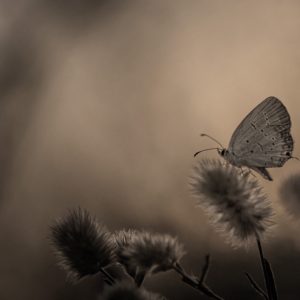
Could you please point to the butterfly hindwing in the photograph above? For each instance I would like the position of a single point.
(263, 172)
(263, 138)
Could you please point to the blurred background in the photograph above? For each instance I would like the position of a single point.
(101, 106)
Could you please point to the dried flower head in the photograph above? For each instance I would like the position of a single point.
(234, 202)
(142, 251)
(289, 193)
(82, 245)
(123, 240)
(125, 291)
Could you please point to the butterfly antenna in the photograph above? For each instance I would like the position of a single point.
(210, 137)
(204, 150)
(295, 157)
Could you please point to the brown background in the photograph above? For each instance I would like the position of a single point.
(101, 106)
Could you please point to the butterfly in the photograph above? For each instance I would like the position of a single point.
(262, 140)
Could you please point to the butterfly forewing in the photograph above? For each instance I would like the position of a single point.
(263, 138)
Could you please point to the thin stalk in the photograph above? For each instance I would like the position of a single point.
(139, 278)
(271, 279)
(261, 255)
(195, 283)
(269, 282)
(205, 269)
(110, 280)
(256, 287)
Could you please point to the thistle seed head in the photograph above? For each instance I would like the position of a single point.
(234, 202)
(142, 251)
(83, 246)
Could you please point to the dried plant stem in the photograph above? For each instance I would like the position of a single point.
(107, 277)
(139, 278)
(269, 280)
(256, 287)
(195, 282)
(205, 269)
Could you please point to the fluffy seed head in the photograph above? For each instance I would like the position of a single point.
(233, 201)
(127, 291)
(81, 244)
(142, 251)
(289, 193)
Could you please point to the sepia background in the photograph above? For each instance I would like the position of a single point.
(101, 106)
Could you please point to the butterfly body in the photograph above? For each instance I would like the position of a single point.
(240, 162)
(262, 140)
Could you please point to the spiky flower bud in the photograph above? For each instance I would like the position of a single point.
(142, 251)
(289, 193)
(83, 246)
(125, 291)
(233, 201)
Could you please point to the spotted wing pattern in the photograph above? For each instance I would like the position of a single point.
(263, 138)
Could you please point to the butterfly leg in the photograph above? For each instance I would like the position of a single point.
(250, 172)
(294, 157)
(246, 172)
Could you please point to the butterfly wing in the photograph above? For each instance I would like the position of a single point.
(263, 172)
(263, 138)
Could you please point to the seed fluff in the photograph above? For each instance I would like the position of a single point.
(234, 202)
(83, 246)
(142, 251)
